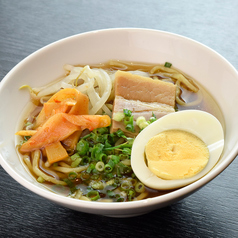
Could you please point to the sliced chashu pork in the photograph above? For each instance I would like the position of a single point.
(143, 96)
(135, 87)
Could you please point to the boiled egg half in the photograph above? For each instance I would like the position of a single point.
(153, 171)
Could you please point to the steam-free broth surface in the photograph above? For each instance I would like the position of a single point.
(110, 177)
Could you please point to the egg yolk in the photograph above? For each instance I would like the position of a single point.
(176, 154)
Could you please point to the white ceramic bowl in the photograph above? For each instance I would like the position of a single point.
(209, 68)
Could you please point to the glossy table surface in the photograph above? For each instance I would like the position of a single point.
(26, 26)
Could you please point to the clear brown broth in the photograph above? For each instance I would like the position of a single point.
(207, 104)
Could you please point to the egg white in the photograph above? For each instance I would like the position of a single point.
(200, 123)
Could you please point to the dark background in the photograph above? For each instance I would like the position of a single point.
(26, 26)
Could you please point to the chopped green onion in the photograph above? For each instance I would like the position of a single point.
(108, 168)
(152, 119)
(167, 65)
(133, 175)
(70, 184)
(40, 179)
(118, 116)
(82, 147)
(126, 185)
(93, 195)
(120, 133)
(123, 169)
(74, 156)
(111, 194)
(84, 176)
(97, 150)
(102, 130)
(86, 137)
(90, 168)
(153, 115)
(126, 151)
(85, 160)
(123, 156)
(124, 145)
(99, 166)
(130, 127)
(110, 182)
(95, 176)
(143, 125)
(131, 194)
(120, 199)
(140, 187)
(107, 159)
(118, 172)
(139, 120)
(117, 181)
(115, 159)
(98, 185)
(128, 121)
(130, 141)
(108, 176)
(127, 112)
(101, 157)
(72, 175)
(133, 181)
(107, 144)
(76, 162)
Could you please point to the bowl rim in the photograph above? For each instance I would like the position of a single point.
(173, 195)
